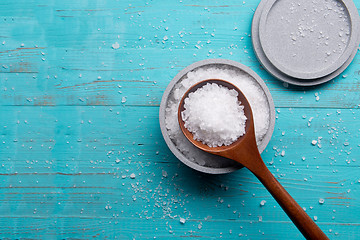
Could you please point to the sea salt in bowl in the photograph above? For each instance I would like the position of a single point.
(241, 76)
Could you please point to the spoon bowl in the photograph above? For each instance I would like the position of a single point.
(244, 150)
(249, 125)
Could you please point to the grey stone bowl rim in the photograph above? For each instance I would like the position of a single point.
(282, 76)
(176, 79)
(353, 18)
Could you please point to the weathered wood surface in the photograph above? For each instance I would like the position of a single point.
(69, 144)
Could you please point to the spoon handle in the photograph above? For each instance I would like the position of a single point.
(302, 221)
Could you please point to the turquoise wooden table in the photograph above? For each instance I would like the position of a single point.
(81, 151)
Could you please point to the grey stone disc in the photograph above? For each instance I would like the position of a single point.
(308, 39)
(266, 63)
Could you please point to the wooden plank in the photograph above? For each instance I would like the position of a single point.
(142, 228)
(80, 183)
(47, 69)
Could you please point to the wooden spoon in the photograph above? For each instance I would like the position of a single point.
(245, 151)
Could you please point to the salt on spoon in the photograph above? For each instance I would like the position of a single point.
(214, 115)
(244, 150)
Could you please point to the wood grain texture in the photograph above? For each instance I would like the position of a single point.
(69, 144)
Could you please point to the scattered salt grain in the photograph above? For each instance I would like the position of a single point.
(262, 203)
(115, 45)
(314, 142)
(214, 115)
(132, 176)
(182, 220)
(321, 201)
(283, 153)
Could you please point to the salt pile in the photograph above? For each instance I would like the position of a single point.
(248, 86)
(214, 115)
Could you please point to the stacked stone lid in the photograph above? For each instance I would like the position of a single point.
(306, 42)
